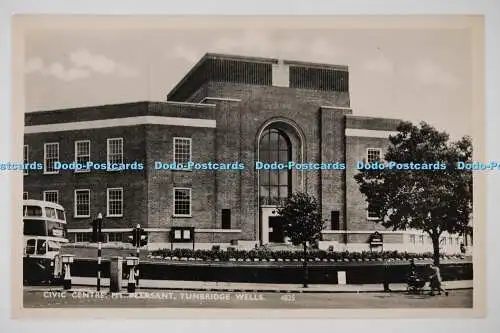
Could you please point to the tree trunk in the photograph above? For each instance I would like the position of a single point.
(305, 266)
(435, 246)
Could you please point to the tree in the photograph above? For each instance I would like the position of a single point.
(433, 201)
(302, 222)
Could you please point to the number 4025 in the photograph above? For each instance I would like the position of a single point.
(288, 297)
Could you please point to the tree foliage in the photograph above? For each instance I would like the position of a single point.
(433, 201)
(303, 222)
(302, 217)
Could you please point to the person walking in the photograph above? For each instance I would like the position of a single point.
(436, 281)
(386, 276)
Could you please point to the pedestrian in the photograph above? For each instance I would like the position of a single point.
(386, 276)
(436, 281)
(412, 270)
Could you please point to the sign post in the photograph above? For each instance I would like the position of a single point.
(138, 239)
(97, 237)
(376, 241)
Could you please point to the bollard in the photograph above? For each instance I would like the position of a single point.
(116, 272)
(131, 263)
(67, 260)
(57, 274)
(131, 281)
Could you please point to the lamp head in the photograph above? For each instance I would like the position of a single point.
(99, 216)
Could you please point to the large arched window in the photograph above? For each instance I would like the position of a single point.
(275, 185)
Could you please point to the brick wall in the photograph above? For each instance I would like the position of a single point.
(356, 147)
(133, 182)
(160, 183)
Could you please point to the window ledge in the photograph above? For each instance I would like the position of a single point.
(81, 216)
(121, 215)
(82, 171)
(177, 216)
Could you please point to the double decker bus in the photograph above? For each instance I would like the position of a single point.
(44, 232)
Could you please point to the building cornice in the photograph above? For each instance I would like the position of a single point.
(120, 122)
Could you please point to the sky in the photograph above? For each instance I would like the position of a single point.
(410, 74)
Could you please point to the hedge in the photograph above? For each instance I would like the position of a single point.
(266, 255)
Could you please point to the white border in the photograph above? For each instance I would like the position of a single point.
(490, 9)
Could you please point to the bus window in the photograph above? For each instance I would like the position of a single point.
(56, 229)
(33, 211)
(35, 227)
(41, 247)
(50, 213)
(60, 215)
(53, 246)
(30, 246)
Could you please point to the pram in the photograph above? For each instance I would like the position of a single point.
(415, 285)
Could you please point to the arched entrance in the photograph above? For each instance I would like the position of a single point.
(279, 141)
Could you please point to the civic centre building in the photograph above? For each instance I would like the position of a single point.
(229, 110)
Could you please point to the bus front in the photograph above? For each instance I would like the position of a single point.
(44, 233)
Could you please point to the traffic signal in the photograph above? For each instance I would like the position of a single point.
(132, 239)
(143, 238)
(96, 231)
(139, 237)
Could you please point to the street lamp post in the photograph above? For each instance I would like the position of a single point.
(99, 250)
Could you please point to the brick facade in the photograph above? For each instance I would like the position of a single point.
(238, 96)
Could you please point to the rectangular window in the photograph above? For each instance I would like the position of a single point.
(51, 196)
(372, 213)
(335, 219)
(115, 237)
(25, 195)
(81, 237)
(421, 239)
(82, 203)
(115, 150)
(182, 202)
(373, 155)
(50, 156)
(115, 202)
(443, 241)
(82, 153)
(412, 239)
(26, 159)
(226, 219)
(182, 150)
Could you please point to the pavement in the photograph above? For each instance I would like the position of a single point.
(90, 284)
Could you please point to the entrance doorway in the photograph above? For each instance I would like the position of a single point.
(276, 232)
